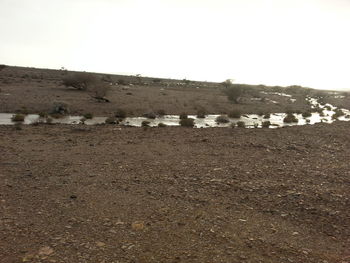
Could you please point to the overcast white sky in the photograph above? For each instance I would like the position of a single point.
(274, 42)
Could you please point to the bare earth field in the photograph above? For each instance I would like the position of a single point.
(37, 89)
(111, 194)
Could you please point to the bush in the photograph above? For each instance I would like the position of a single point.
(150, 115)
(183, 116)
(111, 120)
(266, 124)
(235, 114)
(120, 113)
(162, 125)
(290, 118)
(338, 113)
(60, 107)
(80, 81)
(88, 115)
(306, 114)
(42, 114)
(99, 90)
(233, 93)
(201, 114)
(145, 124)
(222, 119)
(327, 107)
(267, 116)
(189, 122)
(18, 117)
(241, 124)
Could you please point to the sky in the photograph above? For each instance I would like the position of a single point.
(271, 42)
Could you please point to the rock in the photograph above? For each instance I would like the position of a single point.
(45, 251)
(138, 225)
(100, 244)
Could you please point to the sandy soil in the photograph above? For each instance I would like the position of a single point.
(37, 89)
(110, 194)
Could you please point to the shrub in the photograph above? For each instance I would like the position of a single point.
(80, 81)
(189, 122)
(42, 114)
(233, 93)
(201, 114)
(120, 113)
(337, 113)
(150, 115)
(162, 125)
(145, 124)
(99, 90)
(290, 118)
(60, 108)
(306, 114)
(241, 124)
(235, 114)
(183, 116)
(266, 124)
(18, 117)
(111, 120)
(222, 119)
(267, 116)
(88, 115)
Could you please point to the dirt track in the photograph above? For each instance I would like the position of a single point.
(110, 194)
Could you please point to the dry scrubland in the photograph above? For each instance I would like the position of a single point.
(73, 193)
(37, 89)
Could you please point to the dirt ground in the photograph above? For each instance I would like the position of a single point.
(37, 89)
(111, 194)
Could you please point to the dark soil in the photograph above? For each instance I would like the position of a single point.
(111, 194)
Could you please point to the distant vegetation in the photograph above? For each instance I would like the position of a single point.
(222, 119)
(290, 118)
(18, 117)
(188, 122)
(88, 82)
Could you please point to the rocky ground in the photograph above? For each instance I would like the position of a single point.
(115, 194)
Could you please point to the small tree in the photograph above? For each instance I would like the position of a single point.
(99, 91)
(234, 93)
(80, 81)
